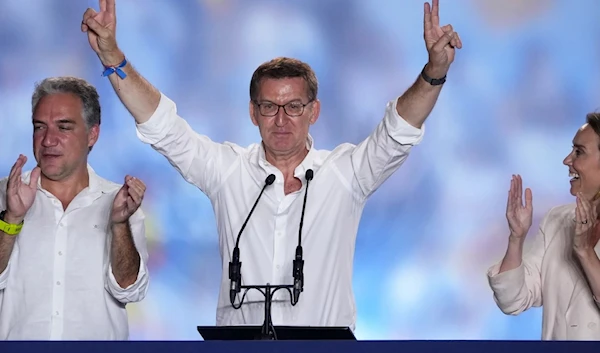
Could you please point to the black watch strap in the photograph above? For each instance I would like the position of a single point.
(432, 81)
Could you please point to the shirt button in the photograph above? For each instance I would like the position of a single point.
(61, 224)
(58, 283)
(592, 325)
(60, 253)
(278, 267)
(56, 313)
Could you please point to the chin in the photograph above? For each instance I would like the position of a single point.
(280, 146)
(52, 172)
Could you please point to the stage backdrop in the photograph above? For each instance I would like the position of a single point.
(514, 98)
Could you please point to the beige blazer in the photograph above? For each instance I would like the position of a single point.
(550, 276)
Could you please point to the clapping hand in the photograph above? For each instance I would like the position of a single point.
(519, 215)
(587, 227)
(19, 195)
(128, 200)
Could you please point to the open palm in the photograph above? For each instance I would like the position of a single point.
(19, 195)
(587, 227)
(519, 215)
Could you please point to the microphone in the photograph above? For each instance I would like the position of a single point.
(235, 266)
(298, 262)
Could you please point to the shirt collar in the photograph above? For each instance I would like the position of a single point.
(96, 184)
(307, 163)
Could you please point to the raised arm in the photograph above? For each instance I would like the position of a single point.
(197, 158)
(127, 278)
(585, 240)
(517, 281)
(17, 200)
(418, 101)
(388, 146)
(136, 93)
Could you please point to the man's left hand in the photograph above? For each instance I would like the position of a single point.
(128, 200)
(441, 42)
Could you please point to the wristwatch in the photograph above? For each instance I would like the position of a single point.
(432, 81)
(10, 229)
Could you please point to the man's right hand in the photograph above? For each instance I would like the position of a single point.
(101, 28)
(20, 196)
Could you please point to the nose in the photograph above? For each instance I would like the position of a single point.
(50, 139)
(280, 118)
(568, 161)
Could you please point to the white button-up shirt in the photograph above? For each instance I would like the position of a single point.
(59, 284)
(232, 177)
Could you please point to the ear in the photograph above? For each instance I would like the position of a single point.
(315, 111)
(93, 135)
(253, 113)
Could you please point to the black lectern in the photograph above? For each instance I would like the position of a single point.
(267, 331)
(245, 333)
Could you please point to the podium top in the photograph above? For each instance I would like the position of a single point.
(238, 333)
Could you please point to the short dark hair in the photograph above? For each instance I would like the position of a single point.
(77, 86)
(283, 67)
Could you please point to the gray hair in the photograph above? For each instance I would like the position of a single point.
(77, 86)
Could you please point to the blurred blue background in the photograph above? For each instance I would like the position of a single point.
(515, 96)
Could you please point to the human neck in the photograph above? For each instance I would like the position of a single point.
(66, 189)
(287, 162)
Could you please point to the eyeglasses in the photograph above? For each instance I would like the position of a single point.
(291, 108)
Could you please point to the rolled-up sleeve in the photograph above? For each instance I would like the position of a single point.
(519, 289)
(376, 158)
(136, 291)
(160, 123)
(200, 161)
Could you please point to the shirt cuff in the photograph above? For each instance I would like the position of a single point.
(134, 292)
(159, 124)
(399, 129)
(503, 284)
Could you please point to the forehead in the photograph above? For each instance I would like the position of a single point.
(282, 88)
(586, 136)
(59, 106)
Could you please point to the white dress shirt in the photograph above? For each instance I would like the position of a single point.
(232, 177)
(59, 283)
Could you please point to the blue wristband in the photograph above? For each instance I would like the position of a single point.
(112, 69)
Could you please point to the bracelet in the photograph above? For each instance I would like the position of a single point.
(432, 81)
(112, 69)
(7, 228)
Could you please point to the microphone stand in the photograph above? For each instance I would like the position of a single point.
(267, 331)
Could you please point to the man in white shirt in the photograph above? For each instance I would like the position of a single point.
(72, 244)
(283, 104)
